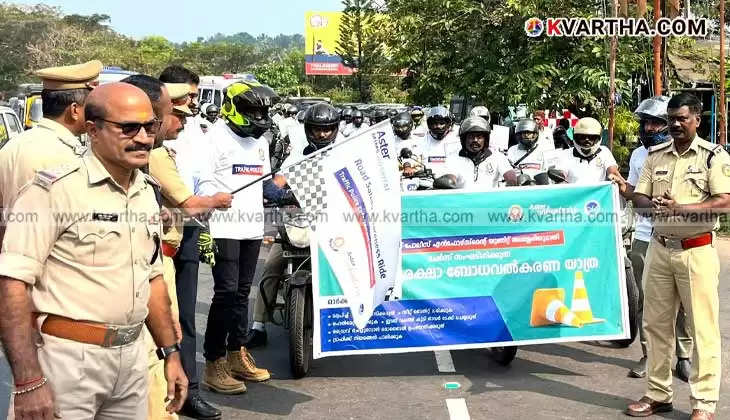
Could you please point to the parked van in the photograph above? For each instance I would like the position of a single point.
(210, 89)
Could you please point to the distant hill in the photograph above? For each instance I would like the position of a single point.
(280, 41)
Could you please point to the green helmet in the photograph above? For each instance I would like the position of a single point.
(246, 108)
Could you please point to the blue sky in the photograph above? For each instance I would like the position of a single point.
(185, 20)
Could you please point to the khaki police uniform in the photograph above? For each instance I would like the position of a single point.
(677, 272)
(49, 143)
(163, 169)
(88, 251)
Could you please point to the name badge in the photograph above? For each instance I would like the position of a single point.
(661, 172)
(105, 217)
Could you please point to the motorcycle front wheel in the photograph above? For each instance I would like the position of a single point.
(300, 330)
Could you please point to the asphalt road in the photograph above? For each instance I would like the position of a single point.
(560, 381)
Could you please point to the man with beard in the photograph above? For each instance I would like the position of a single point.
(475, 163)
(653, 130)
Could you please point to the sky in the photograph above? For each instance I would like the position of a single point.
(186, 20)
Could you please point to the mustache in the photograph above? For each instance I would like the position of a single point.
(138, 147)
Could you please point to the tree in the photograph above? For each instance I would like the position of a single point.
(359, 46)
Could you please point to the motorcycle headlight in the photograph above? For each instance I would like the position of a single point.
(297, 230)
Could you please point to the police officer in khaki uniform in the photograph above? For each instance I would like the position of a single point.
(180, 201)
(54, 140)
(682, 182)
(91, 259)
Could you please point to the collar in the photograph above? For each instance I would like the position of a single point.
(587, 159)
(64, 134)
(98, 173)
(478, 158)
(693, 146)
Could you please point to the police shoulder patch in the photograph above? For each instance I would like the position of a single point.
(47, 177)
(661, 146)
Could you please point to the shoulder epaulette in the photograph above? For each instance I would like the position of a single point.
(47, 177)
(660, 146)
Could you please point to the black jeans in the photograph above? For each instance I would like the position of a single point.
(186, 282)
(235, 265)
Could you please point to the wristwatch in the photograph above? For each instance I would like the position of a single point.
(163, 352)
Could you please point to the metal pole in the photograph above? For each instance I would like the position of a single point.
(713, 119)
(657, 47)
(612, 83)
(721, 106)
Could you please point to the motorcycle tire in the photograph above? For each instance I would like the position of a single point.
(632, 293)
(300, 331)
(503, 355)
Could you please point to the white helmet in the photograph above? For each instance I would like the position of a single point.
(480, 111)
(587, 136)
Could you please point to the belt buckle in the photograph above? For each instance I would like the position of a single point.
(120, 336)
(673, 243)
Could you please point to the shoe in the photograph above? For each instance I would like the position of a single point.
(702, 415)
(645, 407)
(218, 379)
(242, 366)
(638, 371)
(256, 338)
(683, 369)
(197, 408)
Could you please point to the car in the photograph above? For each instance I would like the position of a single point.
(9, 125)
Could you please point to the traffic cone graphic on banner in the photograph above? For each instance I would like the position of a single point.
(580, 304)
(548, 308)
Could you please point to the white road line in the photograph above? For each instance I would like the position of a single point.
(444, 361)
(457, 409)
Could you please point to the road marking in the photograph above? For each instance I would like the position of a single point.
(444, 361)
(457, 409)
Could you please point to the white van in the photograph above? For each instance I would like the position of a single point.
(210, 89)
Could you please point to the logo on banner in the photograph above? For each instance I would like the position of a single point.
(592, 207)
(243, 169)
(337, 243)
(515, 213)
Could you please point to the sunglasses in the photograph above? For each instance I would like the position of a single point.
(131, 129)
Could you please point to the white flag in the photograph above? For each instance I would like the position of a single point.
(356, 187)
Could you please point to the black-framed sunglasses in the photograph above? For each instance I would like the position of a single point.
(131, 129)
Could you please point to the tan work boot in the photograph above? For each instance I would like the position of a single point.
(219, 379)
(242, 366)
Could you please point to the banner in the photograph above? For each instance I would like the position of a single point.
(515, 266)
(321, 33)
(344, 187)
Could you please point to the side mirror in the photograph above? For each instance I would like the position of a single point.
(36, 110)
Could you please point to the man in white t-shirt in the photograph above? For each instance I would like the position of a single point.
(238, 155)
(528, 155)
(441, 141)
(419, 125)
(588, 162)
(653, 130)
(475, 163)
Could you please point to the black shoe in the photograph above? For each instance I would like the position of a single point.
(683, 369)
(639, 371)
(256, 338)
(198, 408)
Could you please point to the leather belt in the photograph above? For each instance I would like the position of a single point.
(90, 332)
(688, 243)
(168, 250)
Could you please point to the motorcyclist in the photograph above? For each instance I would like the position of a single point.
(378, 116)
(653, 130)
(481, 111)
(321, 125)
(475, 163)
(440, 143)
(561, 135)
(588, 162)
(211, 113)
(526, 155)
(300, 117)
(392, 113)
(355, 126)
(419, 125)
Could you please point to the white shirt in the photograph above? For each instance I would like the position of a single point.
(486, 175)
(191, 150)
(233, 162)
(538, 161)
(581, 171)
(420, 130)
(636, 163)
(286, 124)
(351, 130)
(436, 152)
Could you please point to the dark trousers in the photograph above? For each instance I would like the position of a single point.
(186, 281)
(235, 265)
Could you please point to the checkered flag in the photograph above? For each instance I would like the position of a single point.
(307, 181)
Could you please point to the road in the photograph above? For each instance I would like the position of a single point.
(560, 381)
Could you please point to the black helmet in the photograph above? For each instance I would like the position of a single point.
(417, 114)
(246, 108)
(474, 125)
(379, 115)
(321, 115)
(527, 132)
(357, 118)
(347, 115)
(300, 116)
(292, 111)
(392, 112)
(439, 116)
(402, 125)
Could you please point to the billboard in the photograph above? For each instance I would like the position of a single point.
(321, 32)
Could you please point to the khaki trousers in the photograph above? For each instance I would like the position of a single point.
(158, 383)
(95, 383)
(690, 278)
